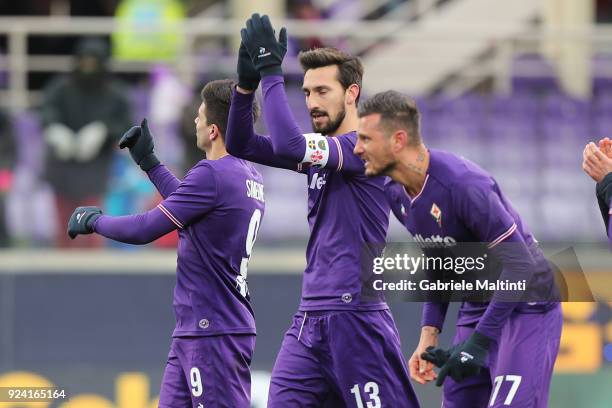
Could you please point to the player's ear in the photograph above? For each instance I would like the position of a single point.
(399, 140)
(351, 94)
(213, 132)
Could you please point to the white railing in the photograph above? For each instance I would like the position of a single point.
(18, 63)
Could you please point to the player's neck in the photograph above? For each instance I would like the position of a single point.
(216, 150)
(349, 124)
(411, 169)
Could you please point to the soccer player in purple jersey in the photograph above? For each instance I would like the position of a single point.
(342, 349)
(504, 351)
(217, 209)
(597, 163)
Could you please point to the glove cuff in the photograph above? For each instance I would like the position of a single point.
(148, 162)
(271, 70)
(247, 84)
(91, 220)
(481, 340)
(604, 188)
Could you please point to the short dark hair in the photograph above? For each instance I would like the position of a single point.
(217, 97)
(396, 111)
(350, 68)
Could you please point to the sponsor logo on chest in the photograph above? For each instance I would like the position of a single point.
(317, 182)
(434, 241)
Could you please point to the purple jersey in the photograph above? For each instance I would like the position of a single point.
(345, 209)
(217, 210)
(460, 202)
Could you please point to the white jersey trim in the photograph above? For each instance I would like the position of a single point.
(412, 200)
(317, 149)
(340, 154)
(168, 214)
(503, 236)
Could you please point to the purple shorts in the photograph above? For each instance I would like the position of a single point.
(209, 372)
(341, 359)
(519, 368)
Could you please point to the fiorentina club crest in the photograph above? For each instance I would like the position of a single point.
(437, 214)
(316, 157)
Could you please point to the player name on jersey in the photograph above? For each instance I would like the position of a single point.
(255, 190)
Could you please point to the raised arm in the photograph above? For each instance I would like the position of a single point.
(287, 139)
(242, 141)
(164, 181)
(139, 141)
(311, 149)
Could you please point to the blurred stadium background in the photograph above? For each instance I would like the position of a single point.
(517, 86)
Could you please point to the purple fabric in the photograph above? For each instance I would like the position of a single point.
(136, 229)
(472, 208)
(523, 359)
(163, 179)
(217, 209)
(208, 371)
(287, 138)
(316, 366)
(345, 208)
(434, 314)
(241, 139)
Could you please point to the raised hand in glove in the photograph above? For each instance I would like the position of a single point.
(82, 221)
(266, 51)
(140, 143)
(248, 76)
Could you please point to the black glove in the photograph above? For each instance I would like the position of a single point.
(604, 195)
(140, 142)
(82, 221)
(466, 359)
(248, 76)
(266, 51)
(437, 355)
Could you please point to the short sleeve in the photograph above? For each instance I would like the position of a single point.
(195, 196)
(479, 205)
